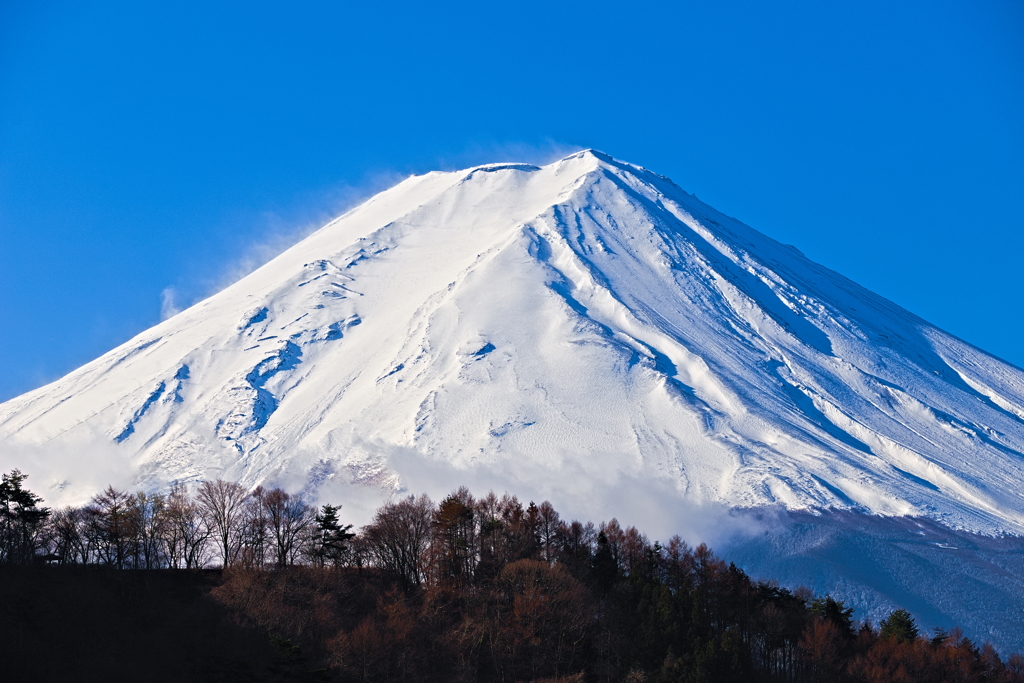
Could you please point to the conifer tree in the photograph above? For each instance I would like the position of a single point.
(330, 545)
(833, 610)
(899, 626)
(604, 567)
(20, 519)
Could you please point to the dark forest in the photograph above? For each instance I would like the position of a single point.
(221, 583)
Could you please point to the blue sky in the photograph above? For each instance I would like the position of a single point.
(154, 150)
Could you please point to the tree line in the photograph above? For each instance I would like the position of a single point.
(484, 589)
(220, 522)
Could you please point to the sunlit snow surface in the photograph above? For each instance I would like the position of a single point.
(564, 327)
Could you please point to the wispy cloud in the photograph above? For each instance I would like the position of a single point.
(70, 472)
(273, 231)
(168, 303)
(595, 488)
(270, 232)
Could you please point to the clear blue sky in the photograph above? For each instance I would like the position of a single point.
(147, 146)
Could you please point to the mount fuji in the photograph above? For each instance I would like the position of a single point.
(584, 328)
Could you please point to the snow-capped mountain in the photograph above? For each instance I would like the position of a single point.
(579, 317)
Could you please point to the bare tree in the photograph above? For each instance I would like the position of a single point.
(288, 518)
(222, 504)
(454, 544)
(549, 525)
(68, 539)
(399, 535)
(255, 530)
(114, 526)
(635, 547)
(577, 543)
(151, 515)
(186, 535)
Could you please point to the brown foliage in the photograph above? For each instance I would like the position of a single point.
(384, 646)
(307, 605)
(821, 651)
(539, 618)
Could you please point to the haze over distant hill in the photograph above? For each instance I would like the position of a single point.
(573, 328)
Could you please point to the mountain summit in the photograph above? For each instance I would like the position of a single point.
(581, 316)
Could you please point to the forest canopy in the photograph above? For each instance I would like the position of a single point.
(466, 589)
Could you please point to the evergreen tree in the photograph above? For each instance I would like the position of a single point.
(604, 567)
(899, 626)
(331, 539)
(21, 519)
(833, 610)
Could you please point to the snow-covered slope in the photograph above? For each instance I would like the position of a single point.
(568, 319)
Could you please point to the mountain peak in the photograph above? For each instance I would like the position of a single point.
(589, 153)
(584, 160)
(550, 323)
